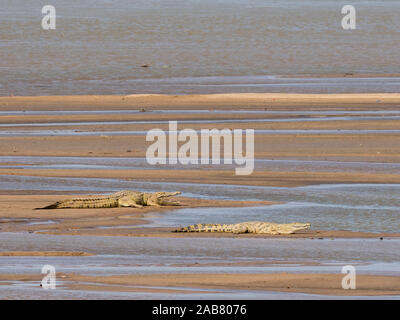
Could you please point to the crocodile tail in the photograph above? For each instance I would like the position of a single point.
(88, 203)
(52, 206)
(185, 229)
(201, 228)
(180, 230)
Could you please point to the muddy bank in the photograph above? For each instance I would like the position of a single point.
(17, 214)
(228, 101)
(43, 254)
(321, 284)
(169, 233)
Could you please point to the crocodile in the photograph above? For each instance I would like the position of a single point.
(258, 227)
(125, 198)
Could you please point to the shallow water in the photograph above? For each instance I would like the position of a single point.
(356, 207)
(143, 264)
(333, 216)
(92, 123)
(192, 46)
(32, 291)
(130, 255)
(40, 133)
(367, 208)
(124, 252)
(134, 163)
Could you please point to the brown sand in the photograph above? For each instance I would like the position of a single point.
(230, 100)
(167, 233)
(43, 254)
(16, 206)
(347, 147)
(344, 147)
(327, 284)
(18, 212)
(341, 147)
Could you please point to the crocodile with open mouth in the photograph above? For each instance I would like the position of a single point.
(124, 198)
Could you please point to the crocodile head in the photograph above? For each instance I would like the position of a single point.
(297, 226)
(159, 199)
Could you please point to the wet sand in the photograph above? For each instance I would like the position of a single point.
(368, 147)
(263, 178)
(227, 101)
(42, 254)
(319, 284)
(307, 283)
(168, 233)
(89, 221)
(129, 221)
(16, 214)
(382, 148)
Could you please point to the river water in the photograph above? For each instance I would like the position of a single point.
(100, 46)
